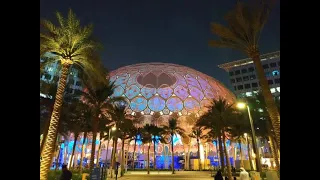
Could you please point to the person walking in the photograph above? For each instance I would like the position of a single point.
(218, 176)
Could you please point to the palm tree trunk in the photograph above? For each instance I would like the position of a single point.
(54, 121)
(274, 149)
(249, 155)
(172, 154)
(93, 146)
(65, 155)
(99, 149)
(122, 157)
(199, 163)
(107, 153)
(44, 136)
(275, 155)
(241, 156)
(55, 149)
(229, 174)
(134, 151)
(74, 147)
(154, 155)
(127, 156)
(82, 150)
(185, 158)
(217, 151)
(188, 157)
(148, 158)
(113, 158)
(58, 156)
(270, 103)
(221, 152)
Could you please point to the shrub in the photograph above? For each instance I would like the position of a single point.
(55, 175)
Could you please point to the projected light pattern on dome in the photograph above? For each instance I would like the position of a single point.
(166, 88)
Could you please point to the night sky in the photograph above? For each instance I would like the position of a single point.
(173, 31)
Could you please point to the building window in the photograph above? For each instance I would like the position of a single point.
(273, 64)
(231, 73)
(240, 87)
(244, 71)
(252, 77)
(232, 81)
(265, 66)
(235, 88)
(279, 63)
(239, 79)
(254, 85)
(250, 69)
(277, 81)
(247, 86)
(275, 73)
(245, 78)
(270, 81)
(237, 72)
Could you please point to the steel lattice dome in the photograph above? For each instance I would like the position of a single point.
(164, 89)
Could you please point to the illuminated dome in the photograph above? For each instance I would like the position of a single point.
(163, 89)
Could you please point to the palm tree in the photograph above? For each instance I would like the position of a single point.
(86, 127)
(258, 103)
(74, 126)
(146, 133)
(173, 129)
(102, 128)
(156, 138)
(197, 132)
(46, 107)
(219, 117)
(210, 136)
(237, 131)
(71, 45)
(107, 137)
(137, 136)
(99, 99)
(208, 122)
(117, 114)
(245, 24)
(125, 134)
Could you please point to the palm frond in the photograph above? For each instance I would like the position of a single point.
(69, 41)
(244, 25)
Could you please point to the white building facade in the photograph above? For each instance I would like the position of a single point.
(51, 71)
(243, 77)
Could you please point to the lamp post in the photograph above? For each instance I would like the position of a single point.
(242, 105)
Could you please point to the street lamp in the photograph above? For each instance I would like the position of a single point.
(242, 105)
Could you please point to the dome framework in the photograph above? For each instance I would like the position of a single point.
(164, 89)
(156, 92)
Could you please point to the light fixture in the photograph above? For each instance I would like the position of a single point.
(241, 105)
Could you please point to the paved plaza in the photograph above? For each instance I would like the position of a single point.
(180, 175)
